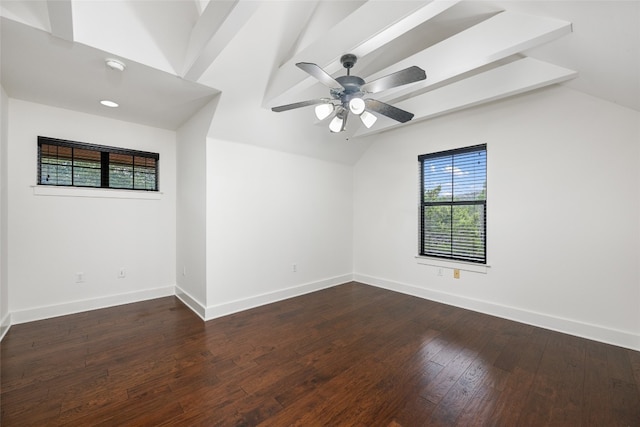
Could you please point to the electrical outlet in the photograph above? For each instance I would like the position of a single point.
(184, 270)
(79, 277)
(456, 273)
(294, 268)
(439, 271)
(122, 273)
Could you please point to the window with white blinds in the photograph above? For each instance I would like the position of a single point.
(76, 164)
(453, 207)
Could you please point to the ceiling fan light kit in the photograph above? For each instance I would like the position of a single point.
(324, 110)
(338, 123)
(348, 95)
(356, 105)
(368, 119)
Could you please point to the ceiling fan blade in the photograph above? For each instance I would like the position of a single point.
(402, 77)
(315, 71)
(390, 111)
(298, 105)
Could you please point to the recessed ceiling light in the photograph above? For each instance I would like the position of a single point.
(108, 103)
(114, 64)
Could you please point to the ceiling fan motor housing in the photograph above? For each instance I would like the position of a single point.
(351, 85)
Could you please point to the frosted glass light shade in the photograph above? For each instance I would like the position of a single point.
(368, 119)
(336, 124)
(356, 105)
(323, 111)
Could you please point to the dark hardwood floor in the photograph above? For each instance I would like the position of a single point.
(349, 355)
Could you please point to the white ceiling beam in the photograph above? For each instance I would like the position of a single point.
(498, 37)
(201, 5)
(368, 28)
(514, 78)
(295, 28)
(61, 18)
(220, 21)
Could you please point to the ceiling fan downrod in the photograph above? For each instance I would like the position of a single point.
(348, 60)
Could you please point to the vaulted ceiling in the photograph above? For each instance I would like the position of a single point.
(181, 54)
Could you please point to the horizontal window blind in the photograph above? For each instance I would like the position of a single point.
(76, 164)
(453, 193)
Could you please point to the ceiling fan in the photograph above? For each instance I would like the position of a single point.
(348, 92)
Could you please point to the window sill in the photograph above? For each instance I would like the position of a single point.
(103, 193)
(459, 265)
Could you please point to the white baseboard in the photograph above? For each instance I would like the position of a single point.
(206, 313)
(568, 326)
(5, 324)
(191, 302)
(231, 307)
(39, 313)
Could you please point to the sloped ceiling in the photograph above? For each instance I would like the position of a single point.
(180, 54)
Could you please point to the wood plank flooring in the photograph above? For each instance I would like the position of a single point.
(352, 355)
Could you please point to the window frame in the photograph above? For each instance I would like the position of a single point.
(104, 152)
(452, 203)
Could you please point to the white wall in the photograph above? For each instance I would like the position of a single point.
(191, 208)
(52, 237)
(563, 213)
(4, 284)
(563, 218)
(268, 210)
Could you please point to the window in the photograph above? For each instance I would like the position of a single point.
(453, 205)
(76, 164)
